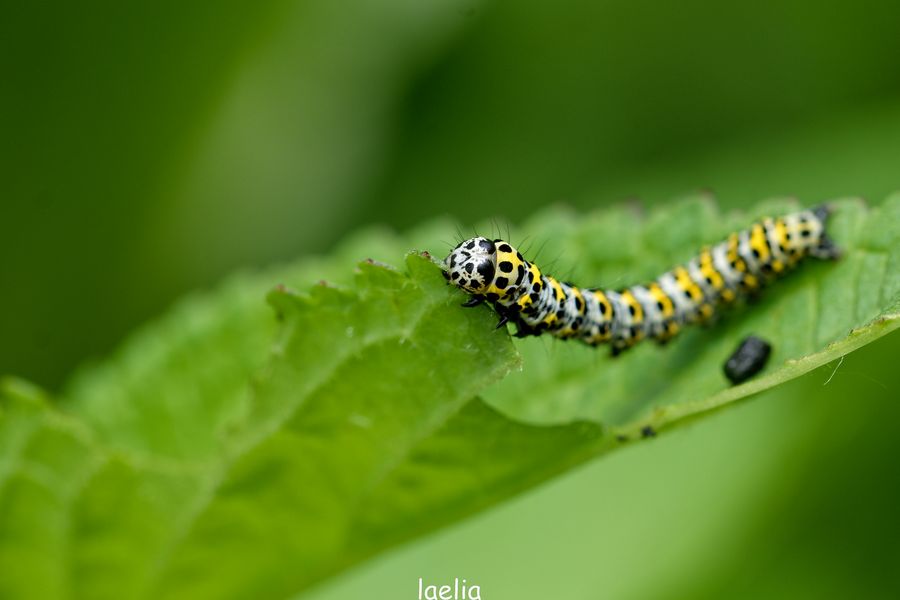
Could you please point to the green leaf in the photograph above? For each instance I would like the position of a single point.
(207, 460)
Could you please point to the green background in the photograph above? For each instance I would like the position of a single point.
(149, 149)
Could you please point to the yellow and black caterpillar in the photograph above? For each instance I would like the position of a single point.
(495, 272)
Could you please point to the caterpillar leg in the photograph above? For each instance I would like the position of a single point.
(473, 301)
(822, 211)
(506, 315)
(616, 349)
(826, 249)
(524, 330)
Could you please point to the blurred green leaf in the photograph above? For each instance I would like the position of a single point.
(192, 465)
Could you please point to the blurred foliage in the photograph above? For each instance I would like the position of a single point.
(149, 149)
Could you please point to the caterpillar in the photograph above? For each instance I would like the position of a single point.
(493, 271)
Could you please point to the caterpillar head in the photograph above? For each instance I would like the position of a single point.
(471, 265)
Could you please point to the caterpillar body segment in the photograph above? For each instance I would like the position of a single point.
(495, 272)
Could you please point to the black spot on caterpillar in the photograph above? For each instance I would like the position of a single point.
(738, 266)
